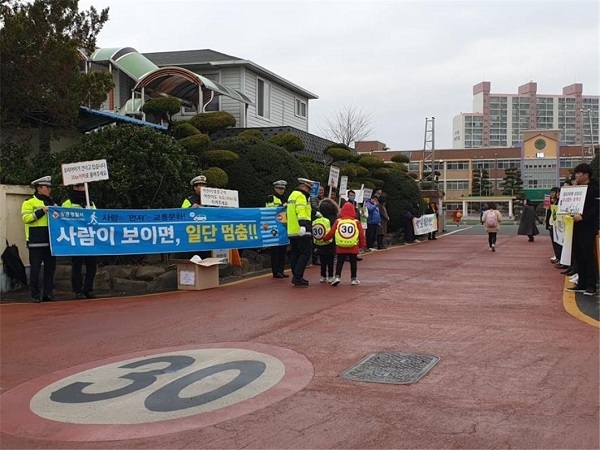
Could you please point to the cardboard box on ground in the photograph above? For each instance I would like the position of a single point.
(197, 274)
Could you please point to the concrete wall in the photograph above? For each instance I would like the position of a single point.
(11, 226)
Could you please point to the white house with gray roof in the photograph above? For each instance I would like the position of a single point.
(275, 100)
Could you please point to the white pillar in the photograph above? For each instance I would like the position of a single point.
(510, 208)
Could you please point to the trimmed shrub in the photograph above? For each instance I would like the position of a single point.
(249, 133)
(339, 154)
(290, 141)
(401, 159)
(219, 158)
(195, 145)
(162, 108)
(216, 177)
(371, 162)
(210, 122)
(185, 129)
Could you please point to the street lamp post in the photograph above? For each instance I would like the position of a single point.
(496, 174)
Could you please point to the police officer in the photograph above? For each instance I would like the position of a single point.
(83, 288)
(299, 228)
(34, 212)
(194, 200)
(278, 252)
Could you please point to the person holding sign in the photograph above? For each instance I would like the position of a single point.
(349, 238)
(194, 200)
(585, 228)
(34, 213)
(83, 288)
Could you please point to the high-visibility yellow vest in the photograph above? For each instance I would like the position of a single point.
(275, 202)
(36, 225)
(346, 233)
(298, 208)
(320, 227)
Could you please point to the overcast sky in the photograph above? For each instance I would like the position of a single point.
(402, 61)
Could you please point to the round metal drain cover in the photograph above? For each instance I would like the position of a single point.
(391, 367)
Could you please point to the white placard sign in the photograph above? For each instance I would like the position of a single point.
(571, 199)
(367, 193)
(84, 172)
(334, 176)
(219, 197)
(343, 184)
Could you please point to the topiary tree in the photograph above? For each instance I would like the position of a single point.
(338, 154)
(290, 141)
(401, 191)
(184, 129)
(163, 108)
(216, 177)
(210, 122)
(219, 158)
(147, 169)
(250, 133)
(260, 163)
(371, 162)
(195, 146)
(401, 159)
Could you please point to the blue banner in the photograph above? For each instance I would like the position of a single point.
(78, 231)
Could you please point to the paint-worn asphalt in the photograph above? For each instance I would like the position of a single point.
(517, 370)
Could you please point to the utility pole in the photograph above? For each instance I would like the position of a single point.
(429, 150)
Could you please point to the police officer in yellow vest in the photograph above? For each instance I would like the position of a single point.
(34, 212)
(278, 252)
(194, 200)
(83, 288)
(299, 228)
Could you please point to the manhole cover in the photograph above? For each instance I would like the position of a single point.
(391, 367)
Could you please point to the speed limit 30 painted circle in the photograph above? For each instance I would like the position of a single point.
(154, 392)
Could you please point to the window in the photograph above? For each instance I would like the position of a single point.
(263, 98)
(300, 110)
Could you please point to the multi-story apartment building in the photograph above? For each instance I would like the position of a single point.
(499, 120)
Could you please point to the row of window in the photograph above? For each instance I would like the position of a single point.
(263, 101)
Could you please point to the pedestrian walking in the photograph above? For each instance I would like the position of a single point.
(34, 214)
(491, 219)
(82, 287)
(527, 223)
(349, 237)
(299, 228)
(278, 252)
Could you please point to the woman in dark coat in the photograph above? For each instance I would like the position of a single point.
(527, 226)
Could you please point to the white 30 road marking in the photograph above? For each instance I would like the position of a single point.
(159, 387)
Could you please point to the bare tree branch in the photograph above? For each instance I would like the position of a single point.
(347, 125)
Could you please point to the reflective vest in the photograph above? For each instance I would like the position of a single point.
(188, 202)
(346, 234)
(320, 227)
(298, 208)
(273, 202)
(36, 223)
(69, 204)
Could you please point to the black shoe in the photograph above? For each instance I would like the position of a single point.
(569, 272)
(285, 275)
(79, 295)
(48, 298)
(561, 266)
(577, 288)
(278, 275)
(89, 295)
(434, 239)
(36, 300)
(300, 282)
(590, 292)
(358, 258)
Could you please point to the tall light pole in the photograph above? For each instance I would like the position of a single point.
(495, 173)
(589, 113)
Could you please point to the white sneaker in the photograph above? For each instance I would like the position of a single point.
(355, 282)
(372, 249)
(323, 280)
(336, 281)
(574, 279)
(553, 259)
(330, 279)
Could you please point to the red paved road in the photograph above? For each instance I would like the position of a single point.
(516, 370)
